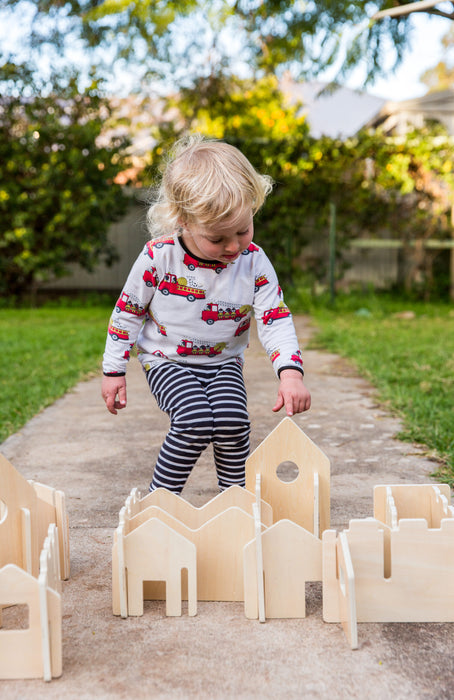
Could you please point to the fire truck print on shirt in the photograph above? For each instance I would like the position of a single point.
(183, 309)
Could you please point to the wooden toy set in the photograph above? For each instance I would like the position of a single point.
(34, 557)
(258, 545)
(261, 544)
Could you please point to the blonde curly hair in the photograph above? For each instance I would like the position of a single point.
(205, 181)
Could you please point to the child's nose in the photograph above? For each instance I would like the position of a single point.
(232, 247)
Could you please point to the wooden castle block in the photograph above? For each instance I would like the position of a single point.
(393, 569)
(428, 501)
(298, 500)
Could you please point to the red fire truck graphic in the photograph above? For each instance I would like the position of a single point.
(171, 285)
(192, 263)
(118, 333)
(160, 242)
(260, 281)
(157, 243)
(243, 327)
(213, 313)
(161, 329)
(297, 358)
(252, 248)
(187, 347)
(150, 277)
(149, 249)
(126, 304)
(271, 315)
(158, 353)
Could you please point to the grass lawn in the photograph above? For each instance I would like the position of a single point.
(407, 351)
(44, 352)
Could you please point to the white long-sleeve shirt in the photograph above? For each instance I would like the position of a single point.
(180, 308)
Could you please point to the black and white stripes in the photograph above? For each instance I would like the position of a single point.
(205, 404)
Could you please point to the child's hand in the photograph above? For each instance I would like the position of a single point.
(113, 390)
(292, 394)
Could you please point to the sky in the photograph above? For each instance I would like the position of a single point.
(404, 84)
(426, 52)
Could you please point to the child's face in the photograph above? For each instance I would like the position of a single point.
(224, 241)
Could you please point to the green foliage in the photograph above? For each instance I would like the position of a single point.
(177, 40)
(385, 187)
(44, 353)
(397, 346)
(57, 195)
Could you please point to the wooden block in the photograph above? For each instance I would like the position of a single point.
(16, 494)
(413, 501)
(219, 543)
(291, 556)
(331, 610)
(193, 517)
(412, 582)
(295, 500)
(21, 651)
(346, 590)
(154, 551)
(51, 508)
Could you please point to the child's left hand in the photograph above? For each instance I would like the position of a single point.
(292, 393)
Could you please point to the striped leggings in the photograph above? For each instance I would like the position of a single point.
(205, 404)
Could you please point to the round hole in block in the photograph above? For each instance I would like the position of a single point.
(3, 510)
(287, 471)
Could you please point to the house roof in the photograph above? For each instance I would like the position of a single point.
(438, 106)
(337, 113)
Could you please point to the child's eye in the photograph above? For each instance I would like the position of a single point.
(216, 241)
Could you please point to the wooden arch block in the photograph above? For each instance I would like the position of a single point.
(294, 500)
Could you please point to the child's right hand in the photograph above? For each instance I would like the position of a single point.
(113, 390)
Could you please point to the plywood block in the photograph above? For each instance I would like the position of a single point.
(291, 556)
(219, 543)
(414, 501)
(51, 508)
(346, 591)
(403, 574)
(295, 500)
(193, 517)
(27, 510)
(22, 651)
(331, 610)
(156, 552)
(16, 494)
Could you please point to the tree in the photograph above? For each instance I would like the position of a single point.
(381, 186)
(179, 41)
(57, 195)
(441, 76)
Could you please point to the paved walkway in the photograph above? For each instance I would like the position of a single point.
(77, 446)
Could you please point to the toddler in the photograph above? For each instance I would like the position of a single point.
(188, 304)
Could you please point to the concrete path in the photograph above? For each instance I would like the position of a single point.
(77, 446)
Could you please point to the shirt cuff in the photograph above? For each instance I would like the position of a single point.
(298, 369)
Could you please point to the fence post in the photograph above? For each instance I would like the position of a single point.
(332, 250)
(451, 266)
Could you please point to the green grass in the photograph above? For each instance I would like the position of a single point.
(45, 352)
(409, 360)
